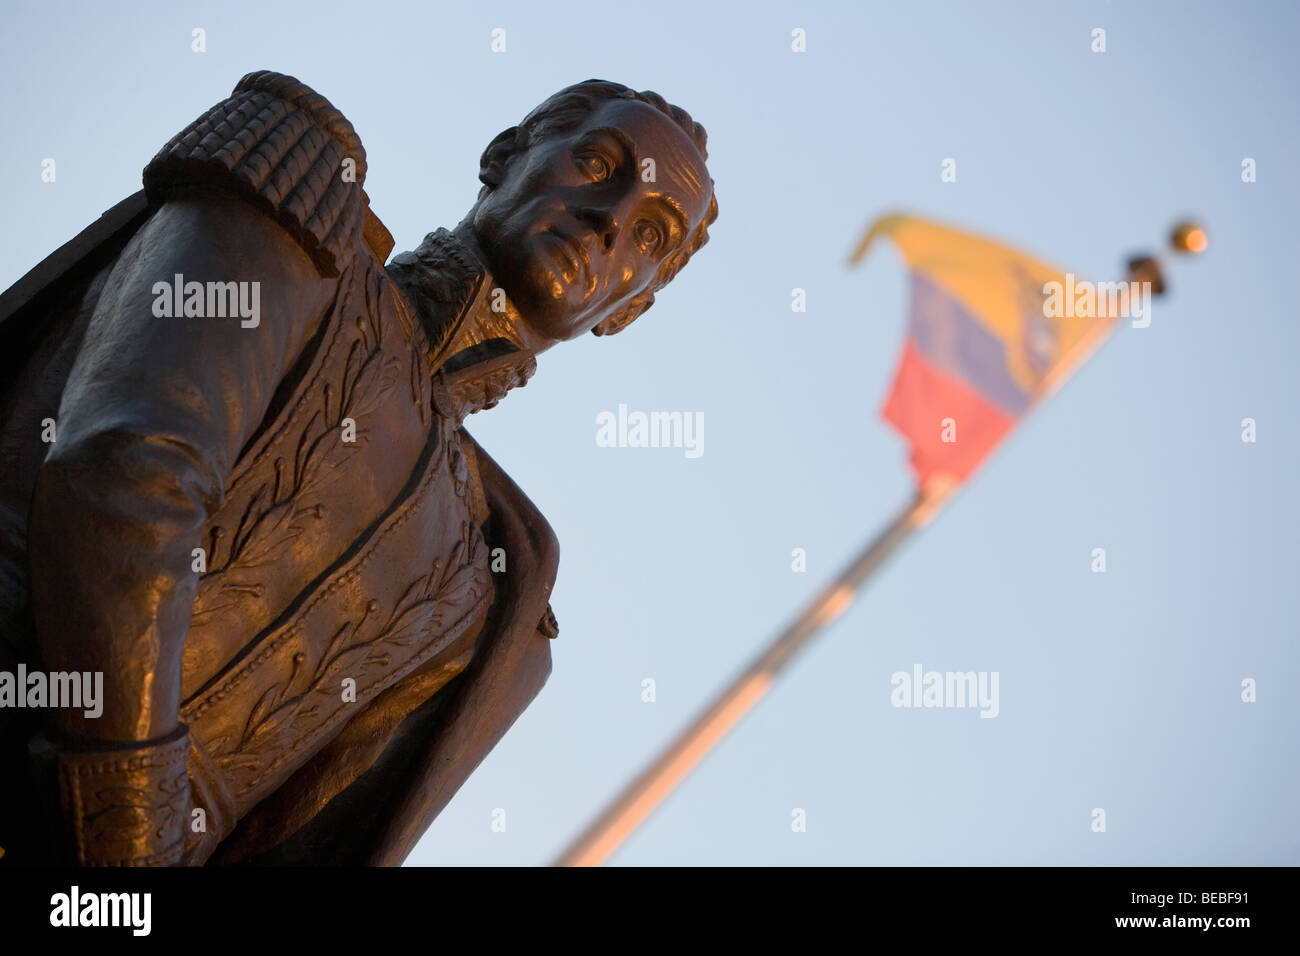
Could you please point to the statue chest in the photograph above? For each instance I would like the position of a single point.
(343, 557)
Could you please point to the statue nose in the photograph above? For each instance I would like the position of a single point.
(604, 223)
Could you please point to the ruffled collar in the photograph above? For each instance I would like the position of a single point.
(474, 356)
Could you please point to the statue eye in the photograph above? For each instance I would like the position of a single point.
(649, 235)
(596, 166)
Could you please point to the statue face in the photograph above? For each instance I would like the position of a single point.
(574, 230)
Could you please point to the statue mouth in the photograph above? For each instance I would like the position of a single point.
(574, 252)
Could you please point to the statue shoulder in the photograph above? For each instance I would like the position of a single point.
(280, 145)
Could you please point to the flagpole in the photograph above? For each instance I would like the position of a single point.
(644, 794)
(640, 798)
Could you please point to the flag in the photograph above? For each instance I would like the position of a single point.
(980, 346)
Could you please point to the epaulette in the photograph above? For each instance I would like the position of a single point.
(280, 145)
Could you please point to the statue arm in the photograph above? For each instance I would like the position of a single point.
(265, 189)
(153, 417)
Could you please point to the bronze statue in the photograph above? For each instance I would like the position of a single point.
(235, 481)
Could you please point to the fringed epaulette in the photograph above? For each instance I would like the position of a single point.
(280, 145)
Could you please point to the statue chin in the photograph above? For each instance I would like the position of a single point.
(554, 317)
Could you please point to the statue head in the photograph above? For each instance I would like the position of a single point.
(590, 205)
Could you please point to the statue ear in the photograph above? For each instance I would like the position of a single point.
(613, 324)
(492, 164)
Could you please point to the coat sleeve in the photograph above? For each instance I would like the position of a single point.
(155, 412)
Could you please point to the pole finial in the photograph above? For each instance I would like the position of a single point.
(1189, 237)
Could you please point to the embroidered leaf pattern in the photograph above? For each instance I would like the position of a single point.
(274, 515)
(366, 645)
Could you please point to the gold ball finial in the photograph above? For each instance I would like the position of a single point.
(1189, 237)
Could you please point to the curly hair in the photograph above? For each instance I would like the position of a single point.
(563, 112)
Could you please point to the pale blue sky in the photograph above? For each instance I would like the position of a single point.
(1120, 690)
